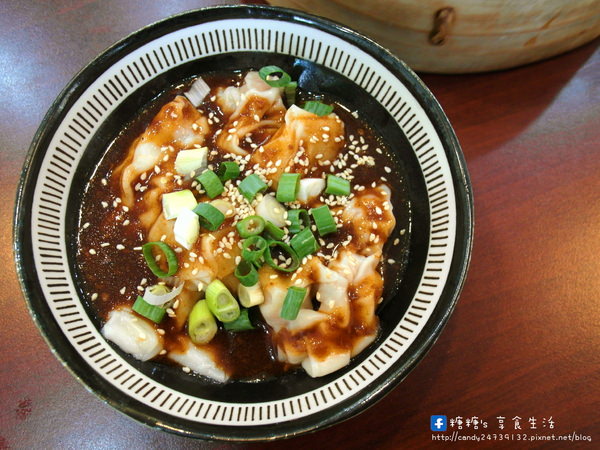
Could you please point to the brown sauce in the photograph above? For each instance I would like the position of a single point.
(111, 276)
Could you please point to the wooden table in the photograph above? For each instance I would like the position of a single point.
(525, 337)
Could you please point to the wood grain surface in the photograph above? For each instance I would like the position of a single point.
(524, 340)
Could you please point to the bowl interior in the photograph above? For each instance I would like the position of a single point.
(409, 196)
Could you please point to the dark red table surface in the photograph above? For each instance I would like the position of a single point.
(524, 340)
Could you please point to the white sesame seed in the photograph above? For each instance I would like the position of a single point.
(126, 222)
(104, 204)
(391, 261)
(120, 247)
(104, 244)
(186, 369)
(94, 296)
(122, 290)
(92, 251)
(387, 169)
(162, 352)
(85, 225)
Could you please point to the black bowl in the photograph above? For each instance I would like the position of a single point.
(326, 58)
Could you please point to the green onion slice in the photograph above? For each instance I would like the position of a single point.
(221, 303)
(299, 219)
(274, 76)
(252, 185)
(228, 170)
(318, 108)
(292, 302)
(242, 323)
(246, 273)
(211, 183)
(273, 232)
(210, 217)
(304, 243)
(250, 226)
(323, 220)
(171, 256)
(293, 265)
(288, 187)
(202, 325)
(290, 92)
(337, 186)
(253, 249)
(143, 308)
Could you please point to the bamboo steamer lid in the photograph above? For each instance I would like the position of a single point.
(461, 36)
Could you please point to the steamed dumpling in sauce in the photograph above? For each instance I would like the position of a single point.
(249, 124)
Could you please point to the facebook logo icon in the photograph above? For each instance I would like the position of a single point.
(439, 423)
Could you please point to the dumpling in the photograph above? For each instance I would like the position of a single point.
(251, 107)
(305, 143)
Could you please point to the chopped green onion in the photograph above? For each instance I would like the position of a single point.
(159, 294)
(292, 302)
(242, 323)
(252, 185)
(221, 303)
(250, 226)
(253, 248)
(274, 76)
(273, 232)
(299, 219)
(270, 209)
(293, 265)
(202, 325)
(250, 295)
(288, 187)
(290, 92)
(210, 217)
(246, 273)
(143, 308)
(186, 228)
(304, 243)
(228, 170)
(172, 264)
(188, 161)
(337, 186)
(318, 108)
(323, 220)
(211, 183)
(174, 202)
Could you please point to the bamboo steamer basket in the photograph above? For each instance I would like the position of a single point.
(461, 36)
